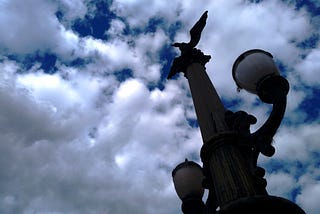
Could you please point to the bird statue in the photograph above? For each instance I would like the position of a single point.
(195, 34)
(188, 51)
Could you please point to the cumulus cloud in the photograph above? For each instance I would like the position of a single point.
(249, 26)
(308, 69)
(46, 144)
(138, 13)
(23, 27)
(72, 9)
(296, 144)
(309, 198)
(281, 184)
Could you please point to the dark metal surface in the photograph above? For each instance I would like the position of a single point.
(193, 206)
(261, 205)
(184, 164)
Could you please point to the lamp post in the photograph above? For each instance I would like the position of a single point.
(230, 152)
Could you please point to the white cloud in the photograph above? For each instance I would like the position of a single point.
(140, 54)
(23, 28)
(139, 12)
(309, 198)
(309, 68)
(249, 26)
(51, 88)
(116, 28)
(27, 30)
(45, 113)
(294, 99)
(297, 143)
(280, 184)
(54, 149)
(73, 9)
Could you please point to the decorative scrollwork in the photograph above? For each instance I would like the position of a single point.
(240, 123)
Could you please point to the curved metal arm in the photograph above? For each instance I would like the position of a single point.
(271, 90)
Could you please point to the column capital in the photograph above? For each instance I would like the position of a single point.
(188, 57)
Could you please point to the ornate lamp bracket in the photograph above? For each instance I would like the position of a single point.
(272, 90)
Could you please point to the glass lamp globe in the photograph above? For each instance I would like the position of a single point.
(187, 179)
(252, 67)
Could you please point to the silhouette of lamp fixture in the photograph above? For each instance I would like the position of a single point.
(256, 72)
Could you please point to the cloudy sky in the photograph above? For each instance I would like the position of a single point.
(89, 123)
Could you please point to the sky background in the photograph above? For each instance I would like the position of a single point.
(89, 123)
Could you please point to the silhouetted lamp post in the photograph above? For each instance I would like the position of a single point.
(230, 152)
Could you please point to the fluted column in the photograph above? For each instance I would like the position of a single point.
(209, 108)
(230, 176)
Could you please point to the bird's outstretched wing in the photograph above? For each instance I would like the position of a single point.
(188, 51)
(196, 30)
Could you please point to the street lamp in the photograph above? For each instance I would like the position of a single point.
(230, 152)
(256, 72)
(187, 179)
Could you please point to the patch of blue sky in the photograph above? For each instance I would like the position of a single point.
(158, 85)
(79, 62)
(315, 161)
(274, 166)
(300, 168)
(26, 62)
(47, 61)
(283, 68)
(309, 5)
(123, 74)
(59, 14)
(313, 8)
(167, 52)
(173, 29)
(97, 24)
(154, 24)
(310, 105)
(293, 122)
(166, 56)
(93, 26)
(294, 193)
(295, 168)
(232, 105)
(194, 156)
(255, 1)
(310, 42)
(193, 122)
